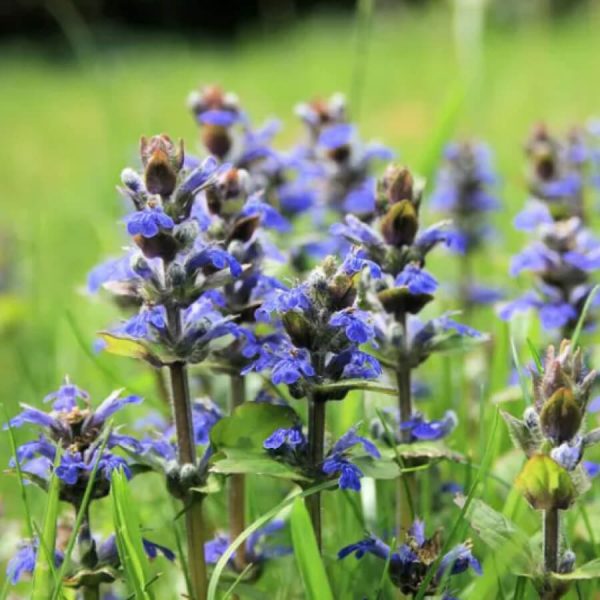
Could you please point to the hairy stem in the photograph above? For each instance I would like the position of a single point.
(406, 485)
(316, 444)
(551, 533)
(182, 412)
(237, 493)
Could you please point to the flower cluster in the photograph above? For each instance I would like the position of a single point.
(465, 192)
(396, 249)
(290, 446)
(321, 332)
(74, 431)
(410, 563)
(564, 254)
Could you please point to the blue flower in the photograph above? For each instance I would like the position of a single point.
(152, 549)
(337, 462)
(356, 260)
(534, 214)
(23, 562)
(361, 198)
(270, 218)
(283, 300)
(115, 269)
(349, 474)
(70, 467)
(410, 562)
(417, 280)
(357, 324)
(219, 117)
(213, 256)
(356, 231)
(354, 364)
(65, 398)
(568, 454)
(202, 176)
(438, 234)
(291, 437)
(148, 222)
(420, 429)
(257, 548)
(337, 135)
(458, 560)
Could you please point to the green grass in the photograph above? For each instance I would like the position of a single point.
(69, 129)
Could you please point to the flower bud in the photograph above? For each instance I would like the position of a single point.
(399, 301)
(163, 245)
(561, 417)
(131, 180)
(545, 484)
(400, 224)
(162, 161)
(298, 328)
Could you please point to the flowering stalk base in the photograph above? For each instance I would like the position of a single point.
(551, 535)
(182, 412)
(237, 493)
(316, 441)
(406, 485)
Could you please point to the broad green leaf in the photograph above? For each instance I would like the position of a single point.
(308, 558)
(125, 346)
(45, 570)
(377, 468)
(498, 532)
(427, 451)
(250, 424)
(234, 460)
(129, 537)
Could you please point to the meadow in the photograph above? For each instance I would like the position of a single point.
(71, 126)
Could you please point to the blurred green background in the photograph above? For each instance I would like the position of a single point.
(71, 122)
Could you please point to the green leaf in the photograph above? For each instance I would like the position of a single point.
(308, 558)
(521, 436)
(265, 518)
(129, 537)
(499, 532)
(590, 570)
(250, 424)
(45, 571)
(126, 346)
(235, 460)
(427, 451)
(381, 468)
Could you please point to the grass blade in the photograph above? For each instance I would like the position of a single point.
(308, 558)
(240, 539)
(129, 538)
(584, 312)
(44, 573)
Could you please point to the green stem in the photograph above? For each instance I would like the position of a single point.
(182, 413)
(406, 485)
(316, 443)
(551, 533)
(91, 592)
(237, 493)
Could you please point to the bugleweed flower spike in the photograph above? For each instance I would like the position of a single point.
(396, 243)
(410, 562)
(465, 192)
(553, 436)
(318, 348)
(173, 279)
(73, 444)
(565, 254)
